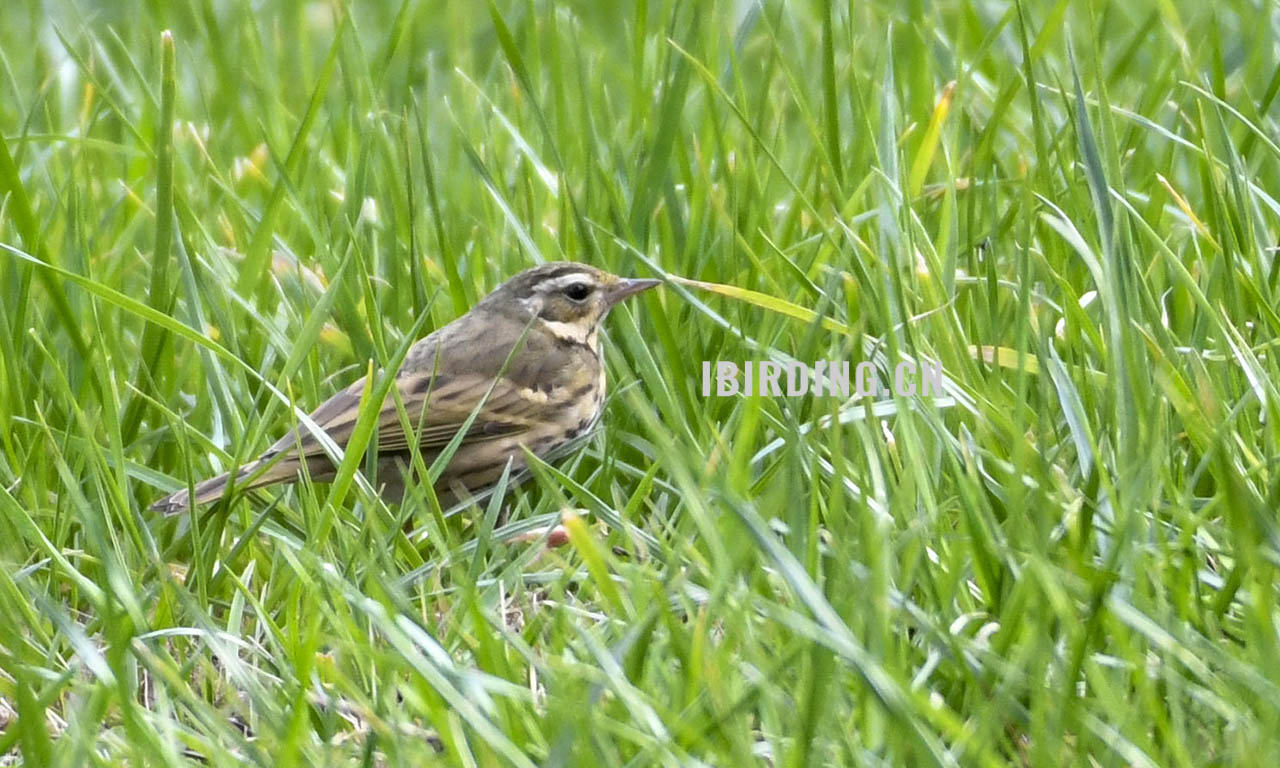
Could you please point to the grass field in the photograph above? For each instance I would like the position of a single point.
(1068, 558)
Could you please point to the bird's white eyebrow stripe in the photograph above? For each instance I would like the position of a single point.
(564, 281)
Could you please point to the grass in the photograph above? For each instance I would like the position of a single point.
(1069, 558)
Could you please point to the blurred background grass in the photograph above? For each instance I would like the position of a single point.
(1069, 558)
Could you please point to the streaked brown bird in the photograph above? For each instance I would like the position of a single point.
(535, 340)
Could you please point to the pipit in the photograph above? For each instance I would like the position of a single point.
(526, 359)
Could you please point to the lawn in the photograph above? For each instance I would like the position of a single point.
(214, 215)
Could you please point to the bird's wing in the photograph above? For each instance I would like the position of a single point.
(436, 407)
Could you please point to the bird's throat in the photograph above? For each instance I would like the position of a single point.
(575, 333)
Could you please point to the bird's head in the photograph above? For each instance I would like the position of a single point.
(568, 298)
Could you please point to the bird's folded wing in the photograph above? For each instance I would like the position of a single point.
(436, 409)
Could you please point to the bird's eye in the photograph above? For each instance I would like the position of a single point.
(578, 291)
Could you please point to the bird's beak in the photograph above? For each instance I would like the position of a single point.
(625, 288)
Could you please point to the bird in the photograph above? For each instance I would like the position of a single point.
(528, 355)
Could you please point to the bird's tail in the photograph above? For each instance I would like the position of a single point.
(216, 487)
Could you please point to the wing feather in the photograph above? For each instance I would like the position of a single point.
(436, 410)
